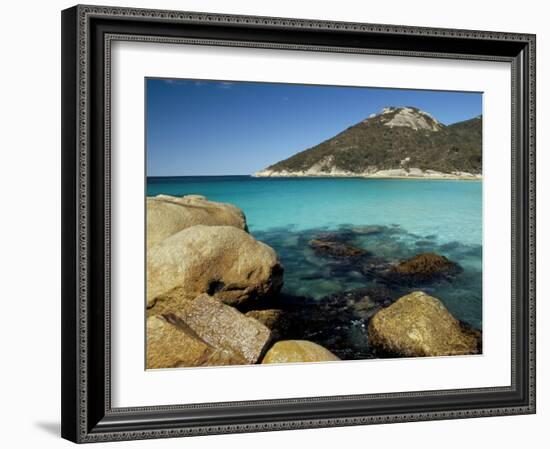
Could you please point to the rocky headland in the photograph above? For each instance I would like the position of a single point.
(214, 296)
(399, 142)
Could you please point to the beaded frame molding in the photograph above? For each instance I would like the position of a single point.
(87, 34)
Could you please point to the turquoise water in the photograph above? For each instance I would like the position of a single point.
(414, 216)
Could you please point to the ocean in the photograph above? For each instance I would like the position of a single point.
(391, 218)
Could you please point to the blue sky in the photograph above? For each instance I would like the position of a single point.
(197, 128)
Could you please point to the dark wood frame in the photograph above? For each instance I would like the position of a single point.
(87, 32)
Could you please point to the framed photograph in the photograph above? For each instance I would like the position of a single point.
(276, 224)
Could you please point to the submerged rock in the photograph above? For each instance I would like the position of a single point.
(336, 322)
(167, 215)
(171, 346)
(418, 325)
(335, 249)
(365, 308)
(222, 261)
(224, 328)
(296, 351)
(374, 267)
(359, 298)
(425, 267)
(369, 229)
(342, 235)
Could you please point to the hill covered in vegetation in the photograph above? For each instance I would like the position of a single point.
(397, 142)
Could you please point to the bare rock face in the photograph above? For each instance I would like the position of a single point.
(297, 351)
(225, 328)
(222, 261)
(411, 118)
(167, 215)
(171, 346)
(418, 325)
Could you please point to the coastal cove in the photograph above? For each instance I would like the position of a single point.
(450, 208)
(388, 219)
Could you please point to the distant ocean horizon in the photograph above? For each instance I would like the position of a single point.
(413, 216)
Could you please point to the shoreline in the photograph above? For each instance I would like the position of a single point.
(440, 177)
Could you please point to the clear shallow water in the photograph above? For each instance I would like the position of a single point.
(415, 216)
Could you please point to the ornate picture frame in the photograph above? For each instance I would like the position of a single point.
(87, 35)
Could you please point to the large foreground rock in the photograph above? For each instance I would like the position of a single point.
(296, 351)
(225, 328)
(419, 325)
(167, 215)
(223, 261)
(172, 346)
